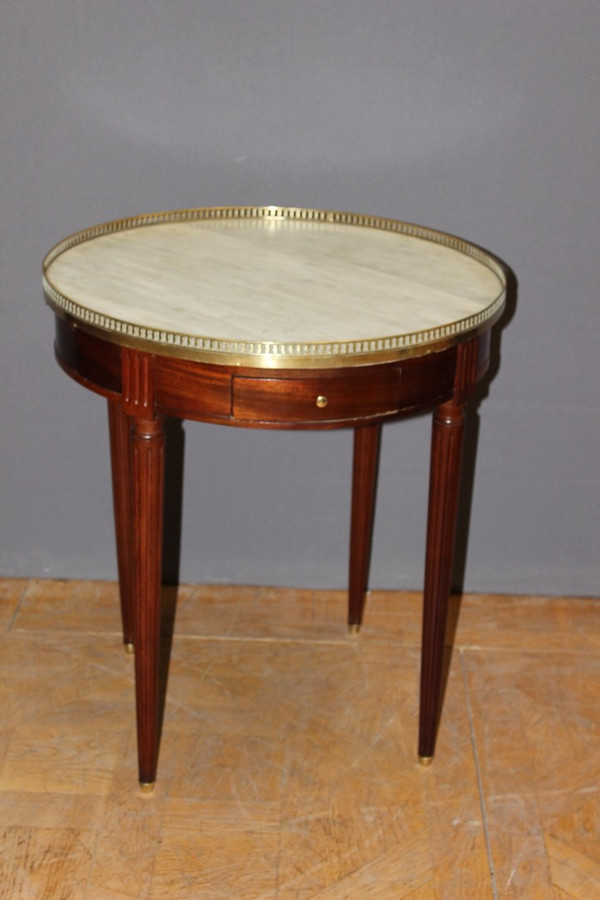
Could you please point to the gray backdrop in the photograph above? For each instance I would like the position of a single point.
(479, 118)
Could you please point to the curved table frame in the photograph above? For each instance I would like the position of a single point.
(142, 388)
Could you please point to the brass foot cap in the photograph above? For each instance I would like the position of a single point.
(129, 648)
(147, 787)
(354, 628)
(425, 761)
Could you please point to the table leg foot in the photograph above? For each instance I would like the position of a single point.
(425, 761)
(147, 787)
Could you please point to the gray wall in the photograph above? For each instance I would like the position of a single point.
(479, 118)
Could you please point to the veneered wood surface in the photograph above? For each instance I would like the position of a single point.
(253, 398)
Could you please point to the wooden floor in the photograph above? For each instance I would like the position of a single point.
(288, 762)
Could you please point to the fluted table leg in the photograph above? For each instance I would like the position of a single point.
(446, 457)
(364, 484)
(120, 454)
(147, 472)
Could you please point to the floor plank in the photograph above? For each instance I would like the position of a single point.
(287, 765)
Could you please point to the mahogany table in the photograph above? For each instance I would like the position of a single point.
(270, 317)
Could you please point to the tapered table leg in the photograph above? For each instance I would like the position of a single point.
(446, 457)
(364, 484)
(147, 472)
(120, 454)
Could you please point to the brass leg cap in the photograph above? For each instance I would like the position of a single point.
(147, 787)
(129, 648)
(425, 761)
(354, 628)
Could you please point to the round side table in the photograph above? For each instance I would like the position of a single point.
(271, 317)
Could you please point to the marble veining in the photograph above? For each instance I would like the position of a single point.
(274, 285)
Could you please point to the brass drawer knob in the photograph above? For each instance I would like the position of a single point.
(322, 401)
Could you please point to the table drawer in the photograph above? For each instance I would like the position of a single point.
(320, 398)
(343, 396)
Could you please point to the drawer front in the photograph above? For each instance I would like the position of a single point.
(313, 399)
(354, 395)
(350, 396)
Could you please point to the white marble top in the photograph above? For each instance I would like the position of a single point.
(275, 287)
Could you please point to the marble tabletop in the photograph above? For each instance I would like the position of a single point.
(271, 286)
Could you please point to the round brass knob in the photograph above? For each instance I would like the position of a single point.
(322, 401)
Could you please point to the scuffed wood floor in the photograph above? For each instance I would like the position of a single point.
(288, 767)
